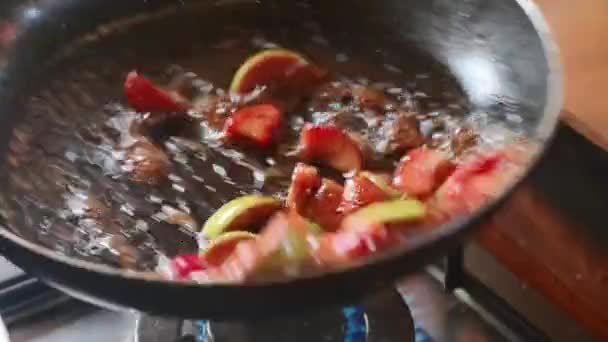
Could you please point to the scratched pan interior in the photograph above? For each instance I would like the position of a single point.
(63, 76)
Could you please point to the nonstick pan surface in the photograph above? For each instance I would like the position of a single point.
(63, 67)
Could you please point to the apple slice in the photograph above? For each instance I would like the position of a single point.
(359, 192)
(145, 96)
(240, 214)
(422, 171)
(279, 70)
(284, 241)
(370, 229)
(258, 124)
(305, 180)
(223, 246)
(383, 213)
(331, 146)
(383, 181)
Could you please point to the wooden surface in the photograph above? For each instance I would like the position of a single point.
(581, 29)
(553, 233)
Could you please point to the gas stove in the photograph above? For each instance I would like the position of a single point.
(445, 302)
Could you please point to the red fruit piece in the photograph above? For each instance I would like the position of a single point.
(343, 247)
(368, 97)
(475, 182)
(422, 171)
(145, 96)
(330, 146)
(324, 207)
(258, 124)
(359, 192)
(305, 180)
(183, 265)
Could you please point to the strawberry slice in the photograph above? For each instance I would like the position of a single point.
(359, 192)
(422, 171)
(258, 124)
(343, 247)
(305, 180)
(324, 207)
(183, 265)
(330, 146)
(475, 182)
(145, 96)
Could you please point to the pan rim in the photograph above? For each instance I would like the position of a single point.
(448, 231)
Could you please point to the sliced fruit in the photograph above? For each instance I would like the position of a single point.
(277, 69)
(240, 214)
(475, 182)
(383, 213)
(182, 265)
(259, 124)
(422, 171)
(330, 146)
(359, 192)
(285, 238)
(295, 246)
(145, 96)
(237, 268)
(284, 241)
(323, 207)
(340, 248)
(220, 248)
(383, 181)
(343, 247)
(305, 180)
(147, 163)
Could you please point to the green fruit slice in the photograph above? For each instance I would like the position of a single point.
(240, 214)
(293, 246)
(275, 68)
(382, 183)
(395, 211)
(222, 247)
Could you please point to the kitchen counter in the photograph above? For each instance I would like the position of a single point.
(552, 233)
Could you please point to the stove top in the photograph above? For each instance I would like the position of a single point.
(364, 323)
(443, 303)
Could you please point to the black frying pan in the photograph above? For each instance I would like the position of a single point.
(496, 55)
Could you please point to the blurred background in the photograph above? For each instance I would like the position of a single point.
(581, 27)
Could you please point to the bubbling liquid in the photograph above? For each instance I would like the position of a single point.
(66, 178)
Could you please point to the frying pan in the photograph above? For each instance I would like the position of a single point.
(496, 54)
